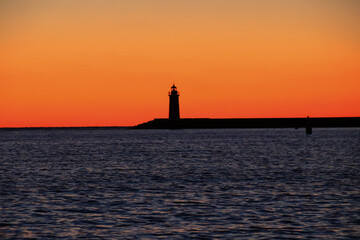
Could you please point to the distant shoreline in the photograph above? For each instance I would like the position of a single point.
(212, 123)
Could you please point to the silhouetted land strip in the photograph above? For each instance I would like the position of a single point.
(197, 123)
(202, 123)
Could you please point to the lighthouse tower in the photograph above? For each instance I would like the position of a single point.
(174, 112)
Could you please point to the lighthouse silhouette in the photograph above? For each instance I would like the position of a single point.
(174, 112)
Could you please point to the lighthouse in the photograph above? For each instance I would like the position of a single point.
(174, 112)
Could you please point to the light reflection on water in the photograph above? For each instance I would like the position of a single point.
(112, 183)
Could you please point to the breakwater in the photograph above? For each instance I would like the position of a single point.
(202, 123)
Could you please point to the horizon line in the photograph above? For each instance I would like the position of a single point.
(114, 126)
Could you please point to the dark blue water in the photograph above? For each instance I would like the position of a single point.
(113, 183)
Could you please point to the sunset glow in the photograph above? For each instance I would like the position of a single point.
(112, 63)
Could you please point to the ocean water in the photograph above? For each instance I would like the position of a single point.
(180, 184)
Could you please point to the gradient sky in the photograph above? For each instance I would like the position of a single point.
(111, 63)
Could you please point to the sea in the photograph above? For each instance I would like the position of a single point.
(109, 183)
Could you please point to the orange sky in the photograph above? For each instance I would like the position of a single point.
(111, 63)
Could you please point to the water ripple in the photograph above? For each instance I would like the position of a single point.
(203, 184)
